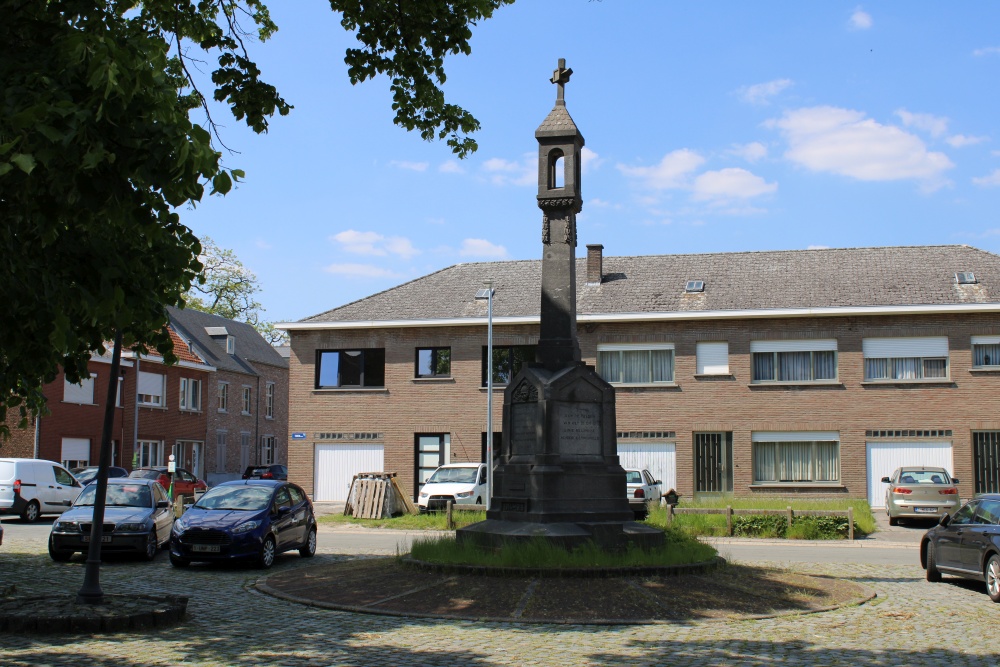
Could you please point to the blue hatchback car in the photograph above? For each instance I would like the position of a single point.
(250, 519)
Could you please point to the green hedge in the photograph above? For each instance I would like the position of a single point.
(802, 528)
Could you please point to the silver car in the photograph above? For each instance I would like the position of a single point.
(920, 492)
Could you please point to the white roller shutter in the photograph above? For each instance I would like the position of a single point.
(629, 347)
(795, 436)
(885, 457)
(986, 340)
(75, 449)
(337, 464)
(902, 348)
(713, 358)
(80, 393)
(814, 345)
(150, 383)
(659, 458)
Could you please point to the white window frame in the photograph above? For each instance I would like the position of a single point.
(223, 397)
(994, 359)
(221, 438)
(247, 400)
(800, 438)
(149, 453)
(778, 347)
(269, 401)
(148, 397)
(190, 397)
(81, 393)
(712, 358)
(267, 446)
(75, 452)
(638, 347)
(230, 345)
(901, 352)
(246, 444)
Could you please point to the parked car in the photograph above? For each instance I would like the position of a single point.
(641, 488)
(88, 474)
(253, 519)
(137, 519)
(33, 487)
(185, 484)
(920, 492)
(1, 534)
(266, 472)
(461, 483)
(966, 544)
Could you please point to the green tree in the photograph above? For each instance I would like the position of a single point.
(97, 149)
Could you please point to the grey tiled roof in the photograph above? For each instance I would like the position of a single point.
(251, 348)
(844, 277)
(557, 123)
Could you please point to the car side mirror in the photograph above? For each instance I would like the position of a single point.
(162, 504)
(944, 520)
(886, 480)
(283, 510)
(954, 480)
(659, 481)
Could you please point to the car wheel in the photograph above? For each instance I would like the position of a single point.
(31, 512)
(268, 551)
(993, 577)
(152, 546)
(933, 574)
(893, 521)
(58, 555)
(308, 549)
(178, 561)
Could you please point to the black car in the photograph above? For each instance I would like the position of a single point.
(966, 544)
(137, 519)
(88, 474)
(252, 520)
(278, 472)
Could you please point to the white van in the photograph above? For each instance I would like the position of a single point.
(460, 483)
(33, 487)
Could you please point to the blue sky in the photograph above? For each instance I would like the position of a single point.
(710, 127)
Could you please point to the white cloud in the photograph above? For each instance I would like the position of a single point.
(589, 160)
(761, 93)
(411, 166)
(451, 167)
(731, 183)
(506, 172)
(751, 152)
(860, 19)
(991, 180)
(961, 140)
(818, 247)
(933, 125)
(373, 243)
(989, 50)
(360, 271)
(673, 171)
(843, 141)
(481, 248)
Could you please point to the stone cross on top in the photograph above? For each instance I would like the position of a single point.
(560, 77)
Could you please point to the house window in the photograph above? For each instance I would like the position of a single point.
(350, 368)
(120, 391)
(636, 364)
(247, 400)
(220, 451)
(190, 394)
(151, 389)
(794, 360)
(269, 401)
(267, 450)
(986, 351)
(223, 397)
(75, 452)
(906, 359)
(713, 358)
(148, 453)
(507, 362)
(244, 450)
(796, 457)
(230, 345)
(82, 393)
(433, 362)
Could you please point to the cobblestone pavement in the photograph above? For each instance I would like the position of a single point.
(912, 622)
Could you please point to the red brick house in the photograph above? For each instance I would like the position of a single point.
(795, 372)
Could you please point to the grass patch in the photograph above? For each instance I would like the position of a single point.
(429, 521)
(680, 549)
(769, 526)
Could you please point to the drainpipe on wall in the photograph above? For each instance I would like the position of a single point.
(256, 420)
(38, 421)
(135, 420)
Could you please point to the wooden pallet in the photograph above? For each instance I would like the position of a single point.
(368, 492)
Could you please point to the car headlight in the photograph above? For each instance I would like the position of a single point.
(423, 494)
(463, 494)
(179, 526)
(67, 526)
(246, 527)
(140, 527)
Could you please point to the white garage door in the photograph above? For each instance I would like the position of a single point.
(885, 457)
(659, 458)
(336, 466)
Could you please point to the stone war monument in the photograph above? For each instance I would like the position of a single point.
(557, 474)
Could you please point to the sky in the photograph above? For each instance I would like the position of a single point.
(709, 127)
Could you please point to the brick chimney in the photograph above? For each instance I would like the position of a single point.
(595, 264)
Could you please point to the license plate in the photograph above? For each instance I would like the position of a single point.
(925, 510)
(104, 538)
(205, 548)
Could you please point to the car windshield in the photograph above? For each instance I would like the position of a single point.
(250, 498)
(145, 474)
(633, 477)
(119, 495)
(924, 477)
(454, 475)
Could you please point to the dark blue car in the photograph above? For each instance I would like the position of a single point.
(966, 544)
(251, 519)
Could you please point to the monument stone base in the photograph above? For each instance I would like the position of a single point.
(615, 536)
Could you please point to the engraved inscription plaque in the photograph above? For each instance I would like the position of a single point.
(524, 423)
(579, 428)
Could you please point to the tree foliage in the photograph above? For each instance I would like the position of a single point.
(97, 149)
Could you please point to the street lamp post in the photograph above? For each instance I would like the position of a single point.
(487, 294)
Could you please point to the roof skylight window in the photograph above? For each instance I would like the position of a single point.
(966, 278)
(695, 286)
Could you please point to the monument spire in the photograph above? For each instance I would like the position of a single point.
(560, 77)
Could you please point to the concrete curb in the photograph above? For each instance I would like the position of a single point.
(61, 614)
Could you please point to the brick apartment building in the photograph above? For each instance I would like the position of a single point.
(222, 407)
(794, 372)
